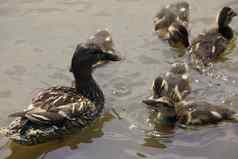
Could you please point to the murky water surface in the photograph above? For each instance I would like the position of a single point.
(36, 44)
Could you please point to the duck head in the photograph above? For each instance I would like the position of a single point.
(225, 16)
(85, 57)
(177, 33)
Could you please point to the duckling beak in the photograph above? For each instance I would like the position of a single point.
(105, 56)
(234, 14)
(151, 101)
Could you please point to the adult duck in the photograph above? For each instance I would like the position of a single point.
(57, 110)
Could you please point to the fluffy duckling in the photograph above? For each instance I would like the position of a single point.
(57, 110)
(103, 40)
(210, 45)
(167, 22)
(171, 88)
(203, 113)
(162, 111)
(178, 36)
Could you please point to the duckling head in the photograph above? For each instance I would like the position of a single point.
(183, 11)
(163, 19)
(178, 33)
(85, 57)
(179, 68)
(225, 16)
(103, 39)
(158, 85)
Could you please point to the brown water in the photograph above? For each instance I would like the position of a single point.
(37, 39)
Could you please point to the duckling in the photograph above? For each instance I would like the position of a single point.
(203, 113)
(103, 40)
(162, 111)
(171, 88)
(210, 45)
(167, 22)
(57, 110)
(178, 36)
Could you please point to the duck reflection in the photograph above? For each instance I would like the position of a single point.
(72, 142)
(163, 128)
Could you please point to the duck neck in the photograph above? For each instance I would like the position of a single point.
(226, 32)
(87, 87)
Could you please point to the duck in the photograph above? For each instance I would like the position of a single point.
(172, 87)
(189, 113)
(208, 46)
(171, 103)
(57, 110)
(195, 113)
(102, 39)
(178, 36)
(168, 22)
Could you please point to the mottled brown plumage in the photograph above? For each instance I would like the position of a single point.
(172, 87)
(203, 113)
(208, 46)
(57, 110)
(171, 24)
(170, 103)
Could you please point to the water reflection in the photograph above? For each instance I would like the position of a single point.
(71, 142)
(162, 131)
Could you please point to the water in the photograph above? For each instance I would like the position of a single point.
(36, 44)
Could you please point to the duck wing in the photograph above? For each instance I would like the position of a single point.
(45, 98)
(58, 104)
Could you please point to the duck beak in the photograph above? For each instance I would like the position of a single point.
(105, 56)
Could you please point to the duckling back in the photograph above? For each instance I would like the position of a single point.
(172, 13)
(207, 47)
(203, 113)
